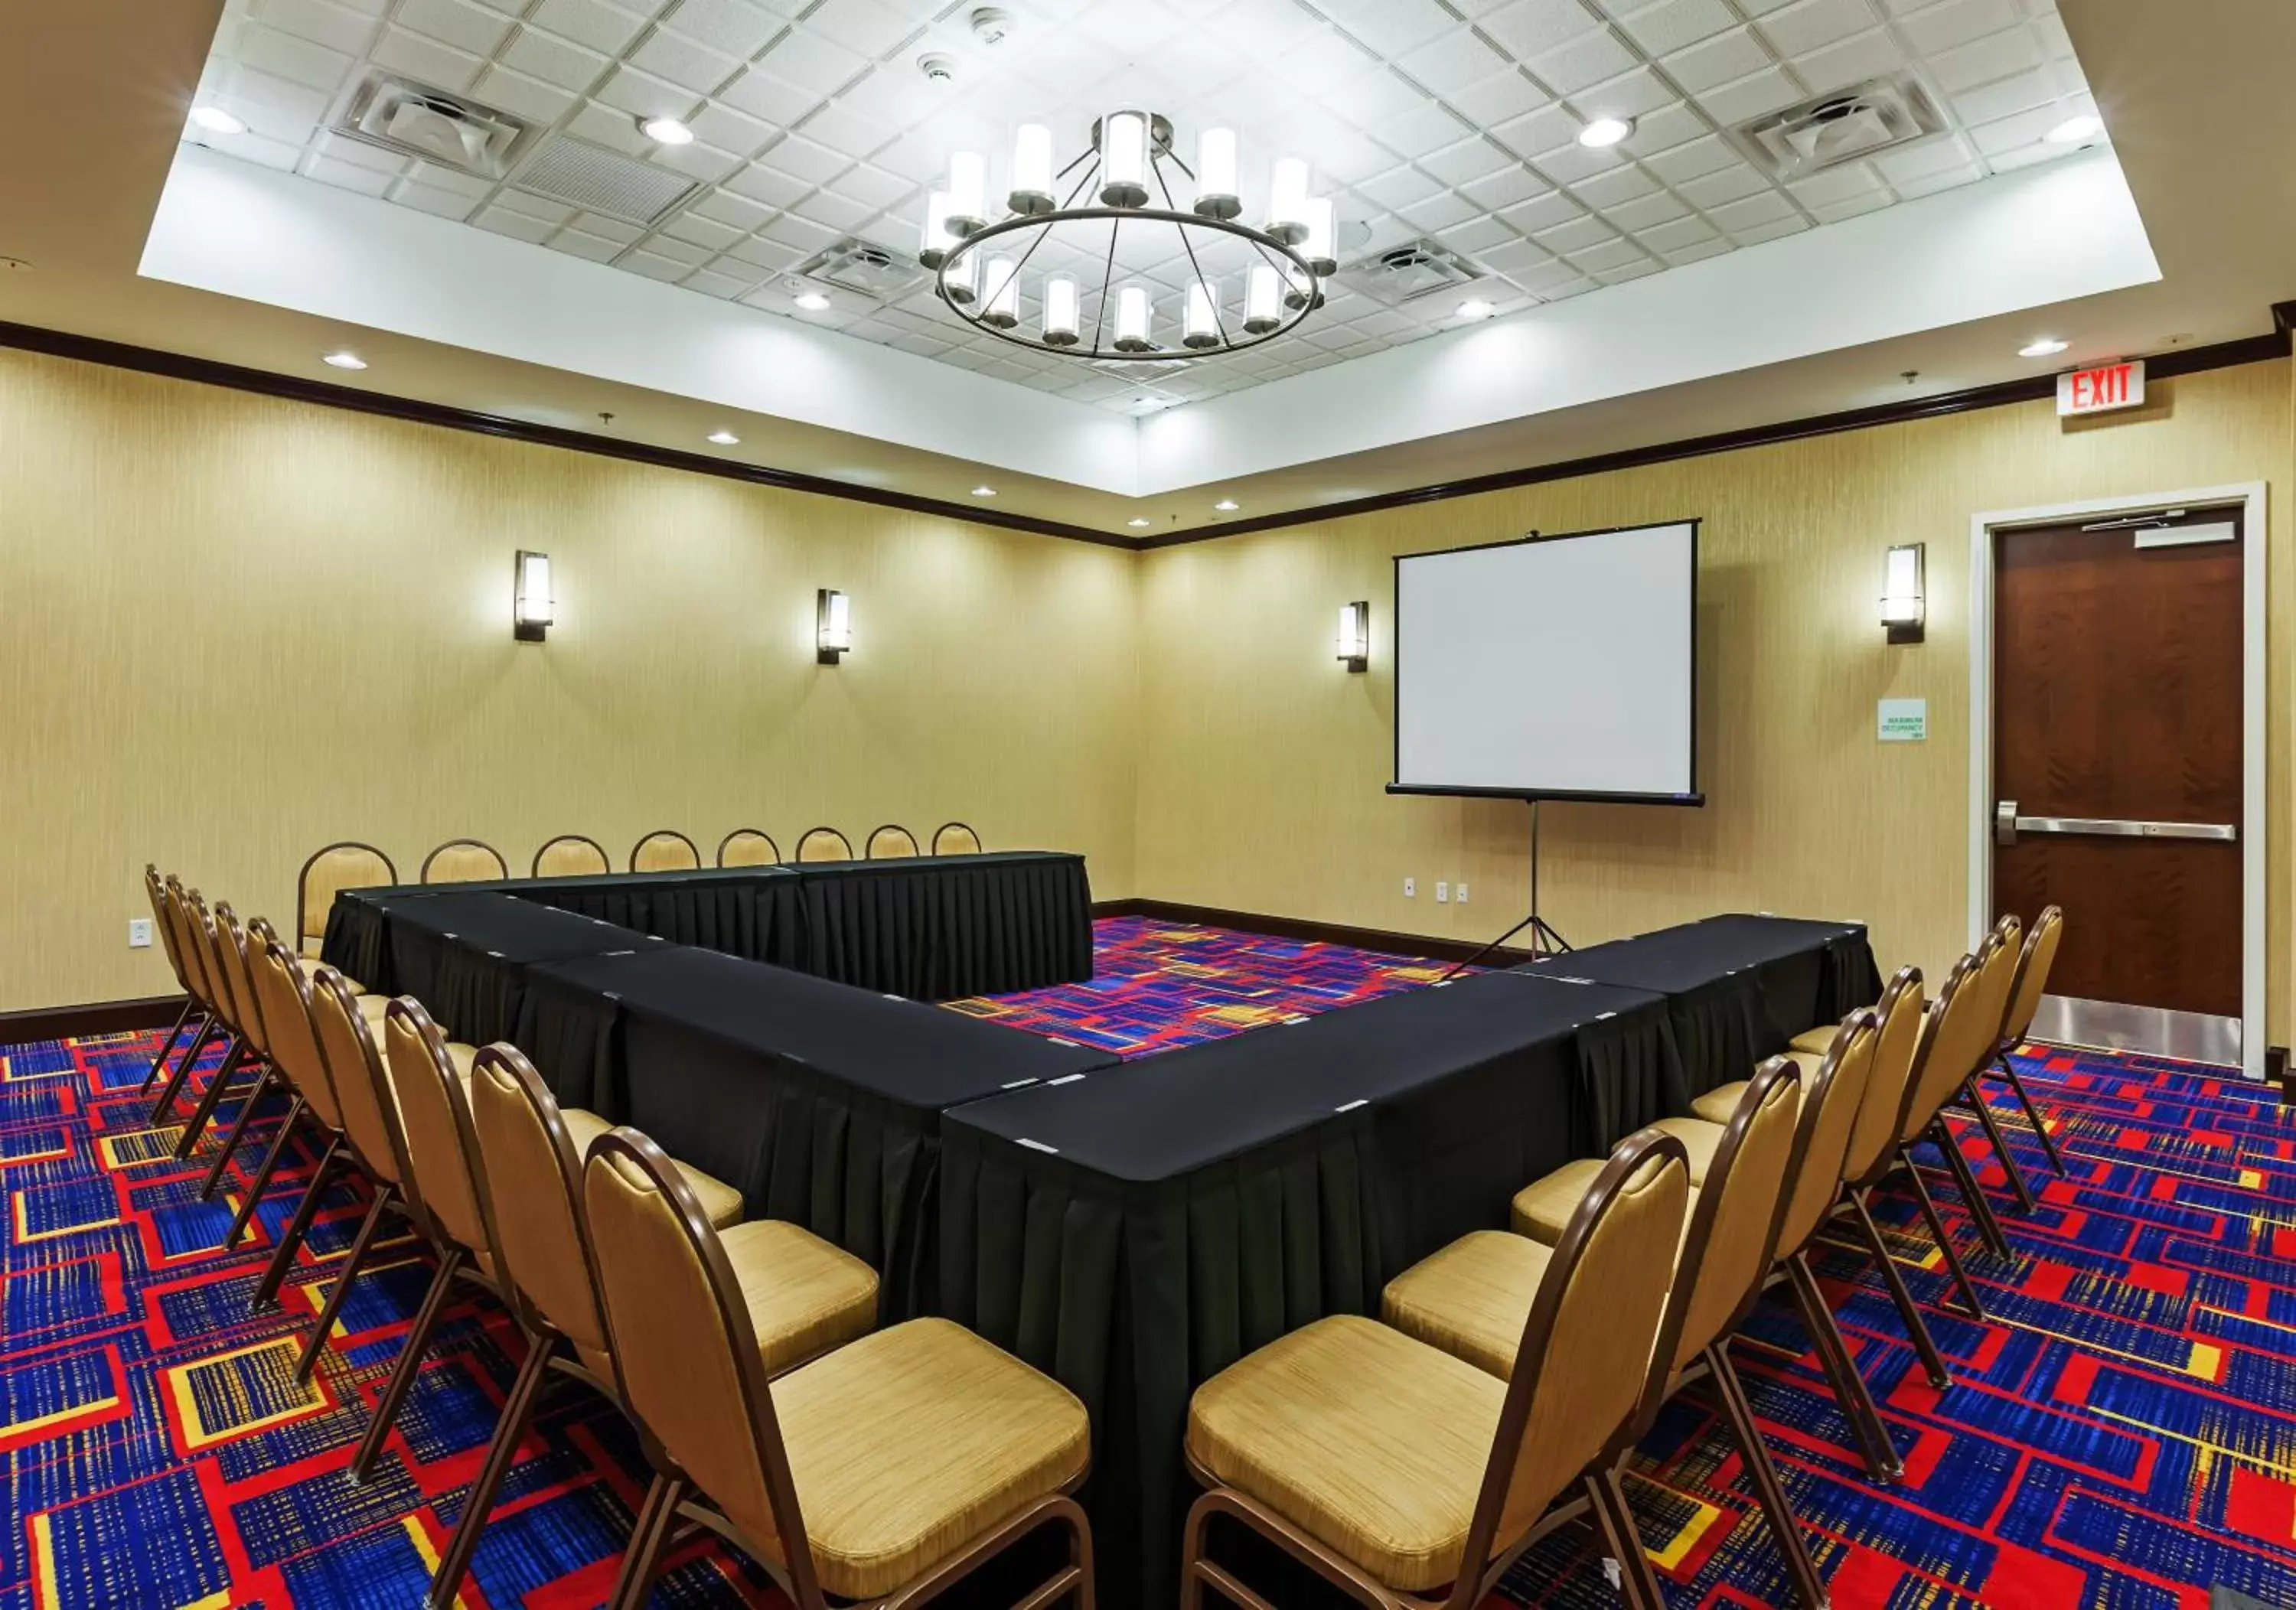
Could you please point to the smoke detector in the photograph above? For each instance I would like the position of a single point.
(413, 119)
(1415, 269)
(992, 25)
(937, 68)
(1845, 125)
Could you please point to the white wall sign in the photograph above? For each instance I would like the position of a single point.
(1903, 720)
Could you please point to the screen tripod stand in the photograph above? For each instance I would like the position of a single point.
(1545, 941)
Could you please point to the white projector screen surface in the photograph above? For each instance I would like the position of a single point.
(1554, 667)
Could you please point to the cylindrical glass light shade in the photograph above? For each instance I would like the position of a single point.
(1202, 328)
(1061, 311)
(1216, 196)
(1002, 284)
(968, 192)
(1263, 295)
(1318, 248)
(933, 250)
(1302, 290)
(960, 280)
(1032, 169)
(1124, 160)
(1132, 320)
(1287, 201)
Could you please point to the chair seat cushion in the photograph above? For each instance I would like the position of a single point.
(310, 963)
(721, 1204)
(805, 1296)
(1699, 1138)
(1544, 1207)
(1369, 1441)
(372, 1008)
(908, 1444)
(1716, 1105)
(466, 1058)
(1817, 1040)
(1472, 1299)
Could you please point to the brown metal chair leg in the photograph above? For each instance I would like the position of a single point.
(1975, 1095)
(1614, 1517)
(1945, 1244)
(643, 1562)
(241, 1053)
(1785, 1531)
(1988, 1227)
(159, 1061)
(409, 1364)
(2033, 1113)
(267, 1290)
(517, 1415)
(232, 1137)
(384, 1196)
(209, 1031)
(262, 1180)
(1908, 1311)
(1857, 1403)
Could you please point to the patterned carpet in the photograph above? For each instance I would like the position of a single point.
(2123, 1436)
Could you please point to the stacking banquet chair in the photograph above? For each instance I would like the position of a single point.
(570, 856)
(891, 841)
(236, 946)
(185, 918)
(332, 870)
(2025, 992)
(748, 848)
(883, 1472)
(1411, 1478)
(664, 850)
(465, 860)
(226, 962)
(194, 1019)
(824, 844)
(524, 1153)
(1470, 1298)
(955, 839)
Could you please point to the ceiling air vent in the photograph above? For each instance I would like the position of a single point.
(1847, 125)
(864, 268)
(417, 120)
(600, 181)
(1416, 269)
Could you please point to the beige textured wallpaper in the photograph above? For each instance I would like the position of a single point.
(1262, 761)
(232, 628)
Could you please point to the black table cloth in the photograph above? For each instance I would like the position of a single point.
(748, 911)
(1738, 987)
(821, 1103)
(1134, 1232)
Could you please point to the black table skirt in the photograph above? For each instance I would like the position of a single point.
(947, 929)
(752, 913)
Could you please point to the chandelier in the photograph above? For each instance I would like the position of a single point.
(1119, 251)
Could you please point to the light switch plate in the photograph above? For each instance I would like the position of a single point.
(1442, 894)
(139, 933)
(1411, 888)
(1460, 894)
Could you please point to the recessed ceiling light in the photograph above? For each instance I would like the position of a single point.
(1227, 506)
(1603, 132)
(666, 131)
(812, 301)
(984, 492)
(344, 360)
(725, 438)
(2072, 131)
(1140, 522)
(217, 121)
(2047, 346)
(1475, 308)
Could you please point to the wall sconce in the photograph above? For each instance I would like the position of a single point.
(1354, 636)
(833, 626)
(1904, 610)
(532, 609)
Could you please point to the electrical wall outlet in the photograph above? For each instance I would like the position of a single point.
(1460, 894)
(1442, 894)
(139, 933)
(1411, 888)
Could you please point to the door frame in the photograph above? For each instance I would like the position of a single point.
(2254, 827)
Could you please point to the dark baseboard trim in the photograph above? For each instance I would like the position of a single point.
(1382, 940)
(91, 1019)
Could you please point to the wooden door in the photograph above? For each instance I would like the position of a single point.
(2117, 735)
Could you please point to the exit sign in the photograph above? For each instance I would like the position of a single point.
(2102, 390)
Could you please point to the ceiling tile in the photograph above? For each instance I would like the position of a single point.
(591, 23)
(1587, 61)
(1835, 212)
(543, 207)
(679, 61)
(1576, 235)
(804, 159)
(515, 225)
(440, 66)
(1400, 187)
(759, 184)
(522, 96)
(554, 61)
(441, 203)
(574, 243)
(1673, 25)
(1676, 234)
(348, 175)
(1468, 160)
(1936, 28)
(1531, 28)
(868, 28)
(762, 96)
(1645, 212)
(803, 56)
(1542, 130)
(1709, 190)
(338, 28)
(733, 28)
(1982, 61)
(846, 132)
(610, 229)
(1540, 212)
(1765, 207)
(456, 22)
(1505, 188)
(711, 282)
(1454, 63)
(1606, 191)
(1689, 162)
(1634, 94)
(1498, 99)
(297, 60)
(1720, 59)
(1835, 184)
(1440, 212)
(1806, 24)
(1748, 98)
(1846, 61)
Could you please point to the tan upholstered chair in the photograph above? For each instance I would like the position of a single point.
(807, 1294)
(824, 844)
(1414, 1478)
(228, 961)
(287, 1069)
(2025, 992)
(192, 1019)
(282, 986)
(570, 856)
(465, 860)
(195, 938)
(174, 922)
(336, 867)
(748, 848)
(891, 841)
(955, 839)
(1959, 1044)
(881, 1472)
(664, 850)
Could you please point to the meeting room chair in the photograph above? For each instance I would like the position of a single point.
(465, 860)
(1412, 1477)
(891, 841)
(572, 855)
(195, 932)
(227, 963)
(748, 848)
(883, 1472)
(175, 918)
(192, 1018)
(2025, 993)
(347, 864)
(664, 850)
(955, 839)
(232, 942)
(292, 1054)
(824, 844)
(1996, 977)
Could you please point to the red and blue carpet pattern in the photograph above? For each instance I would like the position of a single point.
(2121, 1437)
(1157, 986)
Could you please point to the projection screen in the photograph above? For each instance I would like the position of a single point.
(1553, 667)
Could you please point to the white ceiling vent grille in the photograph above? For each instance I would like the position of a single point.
(864, 268)
(1416, 269)
(417, 120)
(1847, 125)
(600, 181)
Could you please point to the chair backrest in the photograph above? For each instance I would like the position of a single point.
(1966, 1041)
(199, 924)
(684, 1345)
(824, 844)
(1598, 1307)
(748, 848)
(529, 1179)
(955, 839)
(465, 860)
(2032, 980)
(330, 869)
(179, 921)
(1901, 1011)
(362, 1087)
(434, 1118)
(1733, 1228)
(1950, 1035)
(664, 850)
(156, 889)
(891, 841)
(570, 856)
(1831, 1100)
(285, 997)
(231, 951)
